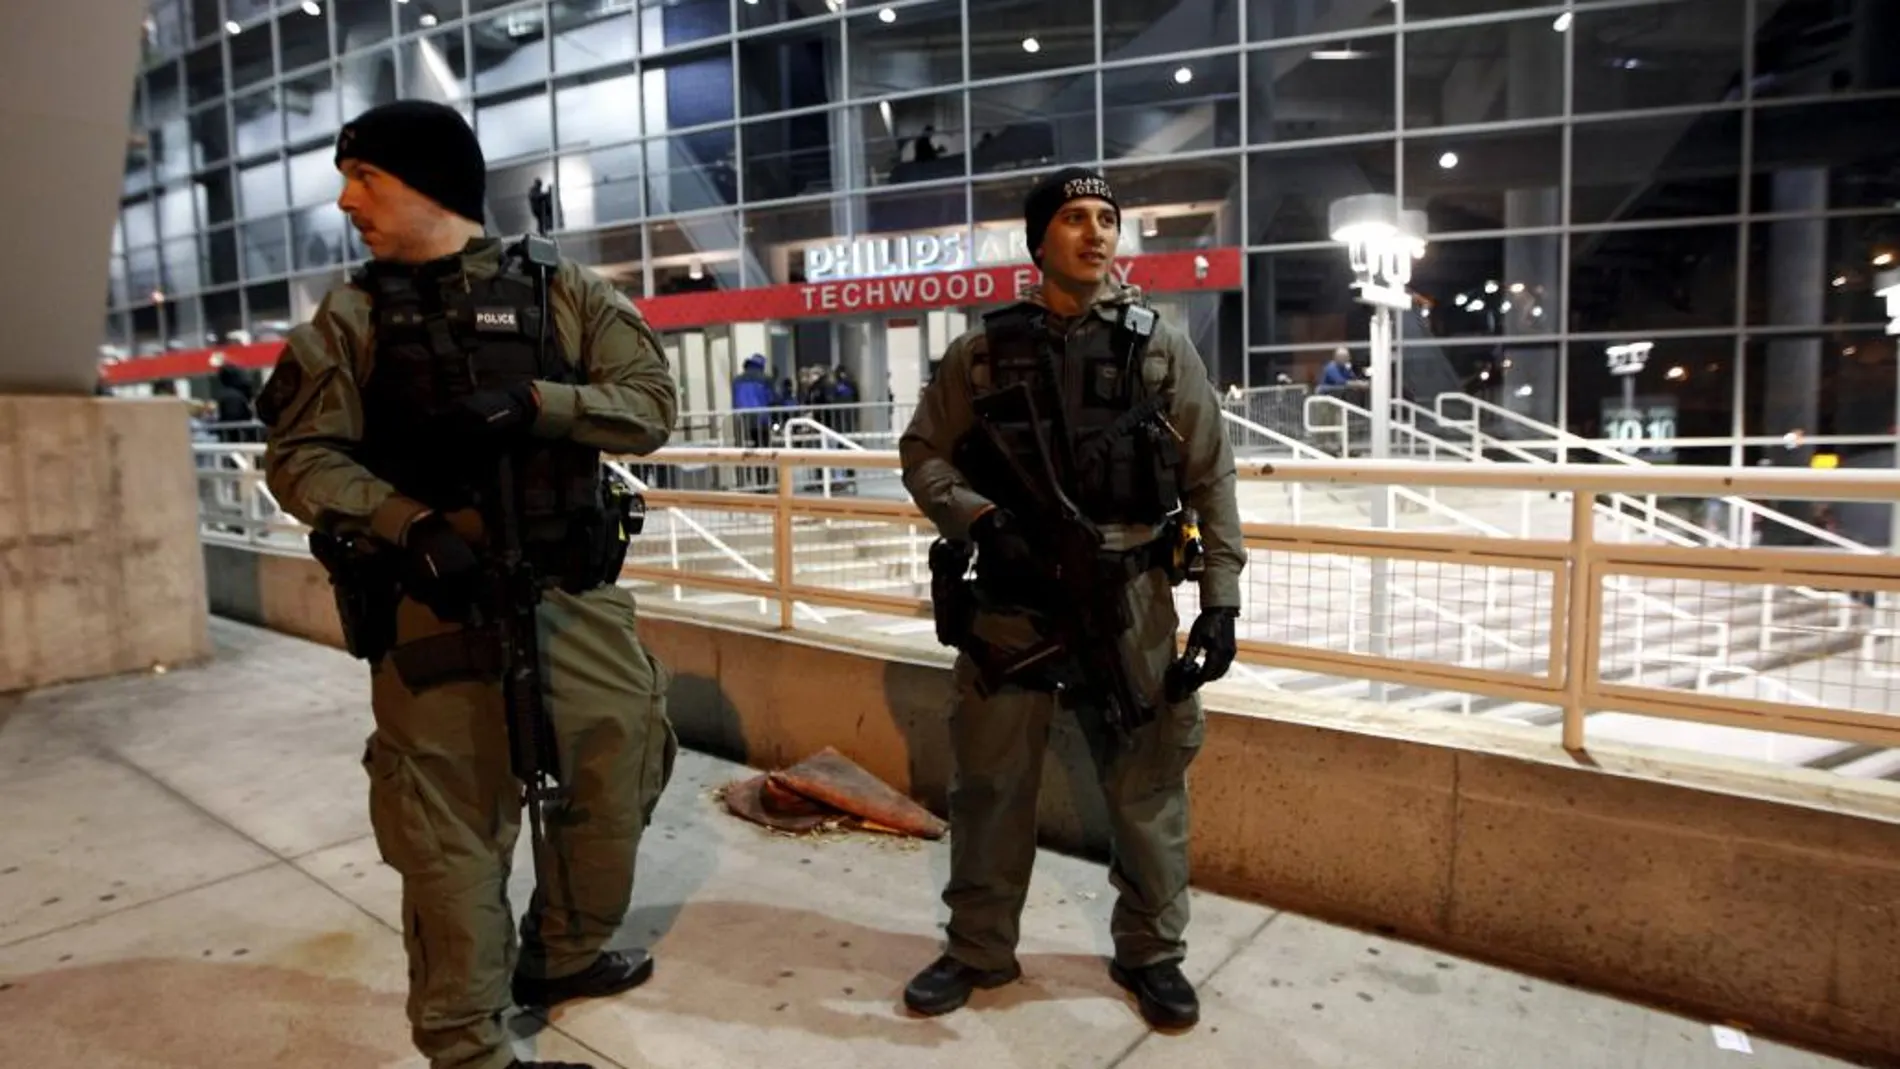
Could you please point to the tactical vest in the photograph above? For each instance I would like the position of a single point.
(441, 335)
(1120, 461)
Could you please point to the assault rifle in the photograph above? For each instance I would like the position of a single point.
(1085, 595)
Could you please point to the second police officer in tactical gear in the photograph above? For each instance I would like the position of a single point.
(1069, 445)
(451, 358)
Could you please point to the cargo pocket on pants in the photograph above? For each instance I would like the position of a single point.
(398, 813)
(663, 744)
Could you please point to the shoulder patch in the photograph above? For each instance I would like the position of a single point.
(286, 381)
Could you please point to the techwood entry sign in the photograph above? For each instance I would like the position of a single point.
(1209, 270)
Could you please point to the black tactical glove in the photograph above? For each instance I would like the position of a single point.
(1003, 555)
(440, 568)
(493, 414)
(1210, 652)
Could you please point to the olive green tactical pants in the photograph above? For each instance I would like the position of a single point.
(999, 745)
(446, 811)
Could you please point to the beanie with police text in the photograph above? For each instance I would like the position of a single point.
(1050, 194)
(427, 145)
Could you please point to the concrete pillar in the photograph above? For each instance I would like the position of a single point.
(1797, 294)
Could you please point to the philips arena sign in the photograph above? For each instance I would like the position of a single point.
(911, 254)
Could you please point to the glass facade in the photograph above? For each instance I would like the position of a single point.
(1720, 178)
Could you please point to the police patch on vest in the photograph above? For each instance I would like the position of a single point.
(497, 320)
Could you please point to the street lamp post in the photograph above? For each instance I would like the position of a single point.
(1382, 240)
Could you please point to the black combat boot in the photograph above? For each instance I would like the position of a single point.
(947, 983)
(610, 974)
(1167, 999)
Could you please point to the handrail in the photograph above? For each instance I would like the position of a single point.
(1298, 447)
(1567, 439)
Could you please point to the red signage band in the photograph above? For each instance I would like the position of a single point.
(1209, 270)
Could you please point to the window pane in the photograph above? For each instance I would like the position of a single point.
(1838, 154)
(1177, 205)
(599, 112)
(1636, 280)
(259, 120)
(913, 139)
(692, 171)
(141, 224)
(668, 24)
(204, 74)
(1805, 47)
(216, 203)
(690, 255)
(600, 187)
(1132, 28)
(1668, 166)
(435, 67)
(269, 306)
(593, 33)
(210, 137)
(1305, 92)
(1834, 382)
(175, 218)
(918, 48)
(798, 68)
(1807, 272)
(795, 156)
(510, 209)
(1488, 181)
(1489, 287)
(688, 91)
(1420, 10)
(510, 49)
(358, 26)
(171, 151)
(513, 128)
(1178, 106)
(143, 277)
(614, 253)
(368, 79)
(251, 59)
(266, 248)
(1685, 390)
(262, 189)
(426, 14)
(1300, 298)
(313, 178)
(777, 238)
(303, 39)
(206, 20)
(1022, 36)
(310, 106)
(163, 93)
(920, 209)
(1033, 123)
(1687, 52)
(1268, 19)
(1289, 192)
(221, 248)
(1000, 202)
(317, 238)
(1474, 74)
(757, 14)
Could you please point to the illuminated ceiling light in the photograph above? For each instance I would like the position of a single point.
(1563, 22)
(1517, 287)
(1031, 45)
(1677, 373)
(1183, 75)
(1424, 313)
(1883, 259)
(1460, 299)
(1338, 53)
(696, 271)
(233, 28)
(1525, 390)
(1839, 281)
(887, 15)
(1537, 311)
(1504, 306)
(312, 8)
(428, 20)
(158, 296)
(1490, 287)
(1448, 160)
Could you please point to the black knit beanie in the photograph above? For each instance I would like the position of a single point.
(427, 145)
(1050, 194)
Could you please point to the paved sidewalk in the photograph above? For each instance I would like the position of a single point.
(187, 881)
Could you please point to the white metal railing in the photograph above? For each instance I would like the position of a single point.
(1502, 624)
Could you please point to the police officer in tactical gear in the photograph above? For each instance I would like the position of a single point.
(1079, 381)
(390, 414)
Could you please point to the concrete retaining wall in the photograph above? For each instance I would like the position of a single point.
(1781, 911)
